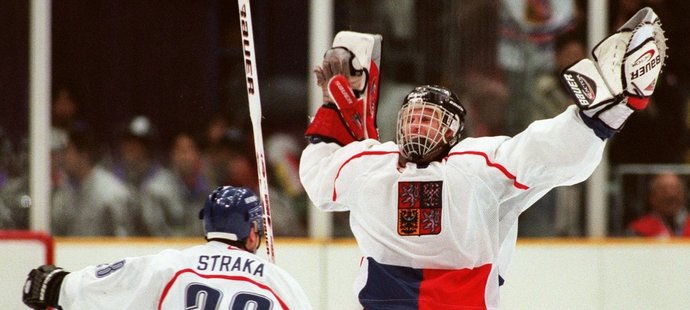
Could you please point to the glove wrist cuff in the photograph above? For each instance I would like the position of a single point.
(602, 130)
(52, 287)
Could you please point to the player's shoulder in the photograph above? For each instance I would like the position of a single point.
(388, 145)
(369, 144)
(479, 144)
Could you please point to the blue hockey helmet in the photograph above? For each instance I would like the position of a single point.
(229, 213)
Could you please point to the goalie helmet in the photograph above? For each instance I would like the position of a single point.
(430, 122)
(229, 213)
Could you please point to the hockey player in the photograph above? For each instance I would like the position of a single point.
(435, 217)
(221, 274)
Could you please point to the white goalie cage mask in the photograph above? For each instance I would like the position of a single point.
(430, 122)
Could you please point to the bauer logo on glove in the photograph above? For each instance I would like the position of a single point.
(645, 63)
(643, 67)
(622, 76)
(631, 59)
(582, 88)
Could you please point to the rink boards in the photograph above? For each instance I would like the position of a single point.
(544, 274)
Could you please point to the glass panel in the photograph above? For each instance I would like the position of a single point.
(14, 118)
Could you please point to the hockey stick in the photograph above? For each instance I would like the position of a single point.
(252, 79)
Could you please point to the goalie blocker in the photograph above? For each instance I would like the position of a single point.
(349, 80)
(622, 76)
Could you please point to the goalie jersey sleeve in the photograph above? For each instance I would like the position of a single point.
(442, 235)
(211, 276)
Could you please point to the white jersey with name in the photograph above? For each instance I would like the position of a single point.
(210, 276)
(441, 236)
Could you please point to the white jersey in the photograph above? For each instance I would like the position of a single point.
(210, 276)
(441, 236)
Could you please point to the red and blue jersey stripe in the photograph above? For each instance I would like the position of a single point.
(423, 289)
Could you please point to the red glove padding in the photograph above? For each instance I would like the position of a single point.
(328, 125)
(349, 106)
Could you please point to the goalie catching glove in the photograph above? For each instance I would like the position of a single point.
(42, 287)
(350, 90)
(622, 76)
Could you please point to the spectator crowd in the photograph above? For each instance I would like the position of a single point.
(142, 183)
(139, 185)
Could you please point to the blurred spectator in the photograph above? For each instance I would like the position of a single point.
(15, 203)
(64, 119)
(668, 214)
(6, 220)
(58, 143)
(14, 187)
(288, 198)
(240, 169)
(96, 203)
(230, 161)
(234, 163)
(65, 108)
(158, 207)
(64, 111)
(193, 179)
(215, 129)
(283, 153)
(550, 96)
(528, 29)
(61, 195)
(6, 157)
(485, 97)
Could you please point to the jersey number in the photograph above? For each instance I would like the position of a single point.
(204, 297)
(105, 270)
